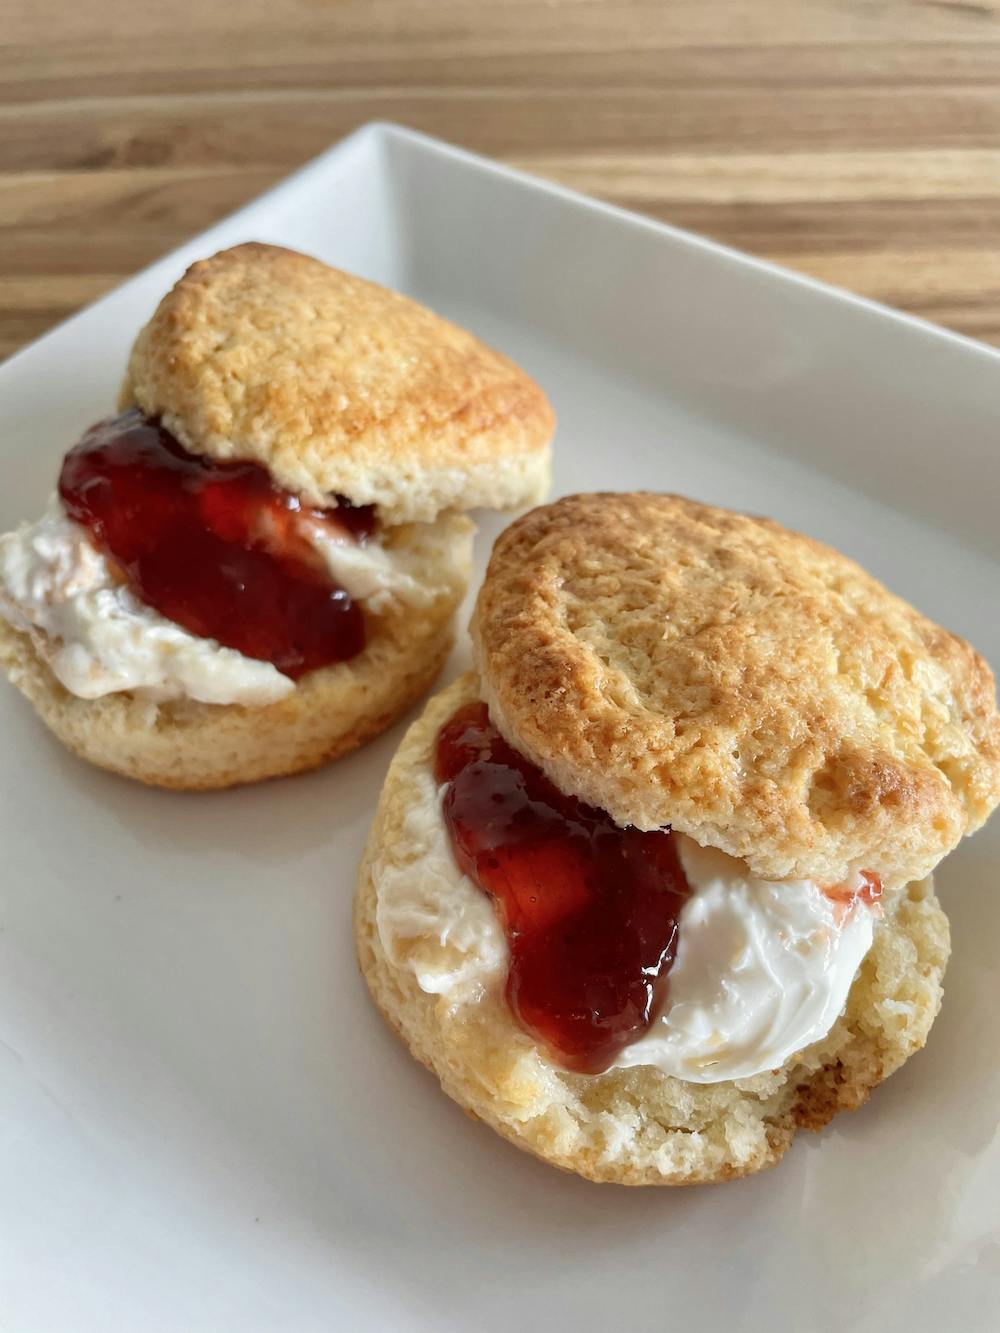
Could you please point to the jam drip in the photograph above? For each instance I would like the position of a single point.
(590, 909)
(215, 547)
(845, 896)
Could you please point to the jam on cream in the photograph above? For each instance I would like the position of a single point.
(217, 549)
(70, 592)
(590, 910)
(613, 948)
(99, 639)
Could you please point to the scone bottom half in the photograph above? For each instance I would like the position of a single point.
(563, 970)
(224, 587)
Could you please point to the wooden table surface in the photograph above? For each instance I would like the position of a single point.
(858, 140)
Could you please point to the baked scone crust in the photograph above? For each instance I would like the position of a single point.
(195, 746)
(639, 1126)
(339, 387)
(677, 664)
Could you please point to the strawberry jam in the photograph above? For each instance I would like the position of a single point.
(590, 909)
(844, 896)
(215, 547)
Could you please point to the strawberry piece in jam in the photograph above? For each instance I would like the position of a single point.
(215, 547)
(590, 909)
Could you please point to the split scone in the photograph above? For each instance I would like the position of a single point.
(254, 567)
(651, 890)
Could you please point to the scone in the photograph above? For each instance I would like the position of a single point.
(650, 890)
(254, 567)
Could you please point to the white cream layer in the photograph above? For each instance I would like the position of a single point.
(414, 572)
(762, 970)
(99, 639)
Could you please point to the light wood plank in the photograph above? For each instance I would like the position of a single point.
(859, 141)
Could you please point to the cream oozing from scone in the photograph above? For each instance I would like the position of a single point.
(98, 638)
(762, 969)
(431, 918)
(432, 560)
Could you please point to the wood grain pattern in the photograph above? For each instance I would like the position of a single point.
(858, 140)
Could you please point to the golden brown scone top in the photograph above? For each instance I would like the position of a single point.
(339, 387)
(681, 665)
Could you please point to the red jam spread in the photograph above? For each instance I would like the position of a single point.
(844, 896)
(590, 909)
(215, 547)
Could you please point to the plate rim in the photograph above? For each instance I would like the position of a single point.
(374, 136)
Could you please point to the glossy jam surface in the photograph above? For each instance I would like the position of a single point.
(590, 909)
(216, 548)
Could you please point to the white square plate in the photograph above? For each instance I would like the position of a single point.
(203, 1123)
